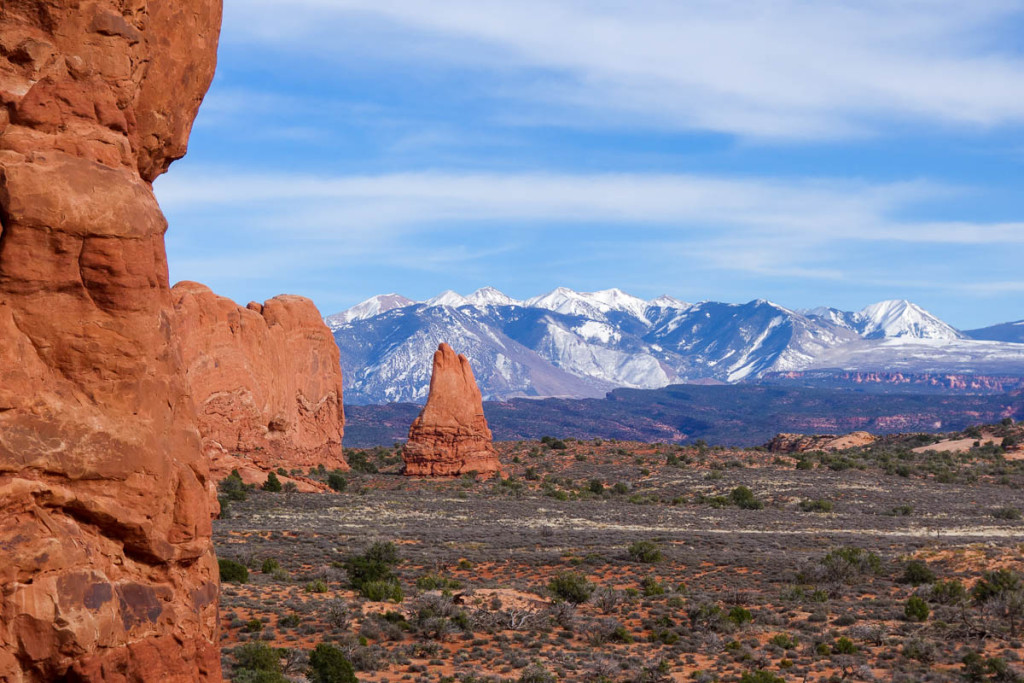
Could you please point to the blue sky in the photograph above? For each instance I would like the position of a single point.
(812, 153)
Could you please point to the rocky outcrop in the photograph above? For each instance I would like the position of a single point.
(265, 380)
(450, 437)
(107, 570)
(801, 443)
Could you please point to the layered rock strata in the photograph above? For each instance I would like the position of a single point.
(107, 571)
(802, 443)
(450, 437)
(266, 381)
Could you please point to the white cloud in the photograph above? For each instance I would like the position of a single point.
(786, 69)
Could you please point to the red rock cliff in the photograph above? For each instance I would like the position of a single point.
(450, 437)
(107, 571)
(266, 380)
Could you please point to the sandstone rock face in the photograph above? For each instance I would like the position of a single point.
(450, 437)
(107, 569)
(266, 381)
(801, 443)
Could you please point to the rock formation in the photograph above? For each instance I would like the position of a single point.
(801, 443)
(265, 379)
(107, 568)
(450, 437)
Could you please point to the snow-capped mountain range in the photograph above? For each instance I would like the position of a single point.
(582, 344)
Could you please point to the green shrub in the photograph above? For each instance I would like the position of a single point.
(272, 484)
(233, 572)
(948, 592)
(1007, 513)
(382, 590)
(620, 489)
(743, 497)
(373, 565)
(916, 573)
(360, 462)
(596, 487)
(435, 582)
(647, 552)
(253, 626)
(784, 640)
(761, 676)
(571, 587)
(845, 646)
(817, 505)
(739, 616)
(916, 609)
(232, 488)
(650, 586)
(257, 662)
(535, 673)
(316, 586)
(270, 565)
(337, 481)
(995, 584)
(327, 664)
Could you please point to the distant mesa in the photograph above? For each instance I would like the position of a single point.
(265, 379)
(801, 443)
(450, 437)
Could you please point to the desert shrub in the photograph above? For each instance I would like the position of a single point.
(620, 489)
(571, 587)
(761, 676)
(272, 484)
(270, 565)
(994, 584)
(916, 609)
(328, 664)
(844, 565)
(375, 564)
(647, 552)
(920, 649)
(233, 488)
(707, 617)
(948, 592)
(817, 505)
(253, 626)
(360, 462)
(917, 572)
(232, 572)
(337, 481)
(784, 640)
(1007, 513)
(382, 590)
(844, 646)
(650, 586)
(740, 615)
(535, 673)
(435, 582)
(743, 498)
(316, 586)
(596, 487)
(257, 662)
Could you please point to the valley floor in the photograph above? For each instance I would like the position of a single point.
(699, 565)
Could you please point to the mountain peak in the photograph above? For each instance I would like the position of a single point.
(449, 298)
(901, 318)
(372, 307)
(489, 296)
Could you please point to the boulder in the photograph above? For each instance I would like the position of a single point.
(450, 437)
(265, 379)
(108, 571)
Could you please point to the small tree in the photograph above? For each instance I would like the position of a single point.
(916, 609)
(337, 481)
(272, 484)
(647, 552)
(327, 664)
(232, 572)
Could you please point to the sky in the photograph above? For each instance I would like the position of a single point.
(811, 153)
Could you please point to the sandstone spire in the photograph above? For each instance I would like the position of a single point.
(107, 570)
(450, 437)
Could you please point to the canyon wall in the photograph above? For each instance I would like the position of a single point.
(108, 571)
(266, 381)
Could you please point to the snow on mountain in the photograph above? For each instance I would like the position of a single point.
(448, 298)
(582, 344)
(489, 296)
(900, 318)
(370, 308)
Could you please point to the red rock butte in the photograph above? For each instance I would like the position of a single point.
(450, 437)
(265, 379)
(108, 571)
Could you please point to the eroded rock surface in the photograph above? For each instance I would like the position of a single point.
(266, 381)
(450, 437)
(802, 443)
(107, 571)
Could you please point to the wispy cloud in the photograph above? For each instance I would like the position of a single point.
(766, 69)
